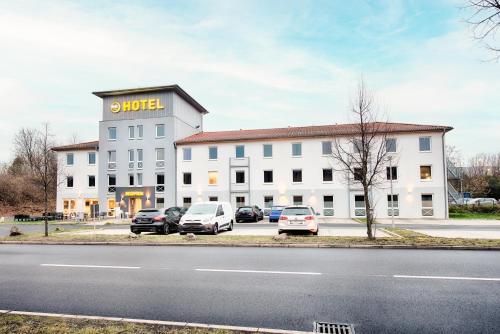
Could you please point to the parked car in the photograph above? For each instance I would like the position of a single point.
(207, 217)
(249, 213)
(162, 221)
(275, 214)
(481, 201)
(298, 218)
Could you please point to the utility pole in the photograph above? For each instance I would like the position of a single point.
(392, 196)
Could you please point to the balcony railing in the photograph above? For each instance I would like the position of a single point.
(360, 212)
(131, 165)
(160, 189)
(396, 212)
(112, 165)
(139, 164)
(160, 164)
(328, 212)
(111, 189)
(427, 212)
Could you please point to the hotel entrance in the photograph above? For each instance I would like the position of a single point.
(134, 205)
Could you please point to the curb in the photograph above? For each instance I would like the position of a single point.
(158, 322)
(258, 245)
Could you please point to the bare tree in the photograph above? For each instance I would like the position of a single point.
(485, 21)
(35, 148)
(362, 154)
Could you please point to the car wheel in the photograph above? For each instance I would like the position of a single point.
(136, 232)
(280, 231)
(230, 228)
(166, 229)
(215, 229)
(256, 219)
(316, 233)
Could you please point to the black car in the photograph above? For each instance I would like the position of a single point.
(162, 221)
(249, 213)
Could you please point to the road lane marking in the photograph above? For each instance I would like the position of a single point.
(86, 266)
(450, 278)
(260, 271)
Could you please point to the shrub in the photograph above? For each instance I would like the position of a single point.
(475, 209)
(15, 231)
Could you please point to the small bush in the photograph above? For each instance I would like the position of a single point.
(475, 209)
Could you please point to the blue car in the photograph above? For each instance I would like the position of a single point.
(275, 214)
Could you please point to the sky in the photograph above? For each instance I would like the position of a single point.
(252, 64)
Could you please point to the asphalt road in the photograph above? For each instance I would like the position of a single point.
(379, 291)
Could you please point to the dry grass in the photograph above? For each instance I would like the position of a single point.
(23, 324)
(408, 237)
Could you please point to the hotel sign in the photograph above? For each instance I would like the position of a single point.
(133, 193)
(136, 105)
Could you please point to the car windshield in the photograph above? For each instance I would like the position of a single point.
(149, 211)
(297, 211)
(202, 209)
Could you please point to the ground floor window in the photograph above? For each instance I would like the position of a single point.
(91, 208)
(268, 201)
(240, 201)
(393, 205)
(297, 200)
(160, 203)
(427, 206)
(111, 207)
(240, 176)
(160, 182)
(359, 205)
(213, 199)
(186, 202)
(69, 208)
(328, 205)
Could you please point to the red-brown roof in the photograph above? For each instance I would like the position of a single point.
(90, 145)
(304, 132)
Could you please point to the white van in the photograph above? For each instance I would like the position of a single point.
(207, 217)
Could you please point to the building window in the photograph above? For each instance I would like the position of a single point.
(111, 159)
(393, 205)
(91, 180)
(268, 150)
(131, 132)
(139, 179)
(268, 176)
(297, 200)
(425, 173)
(390, 145)
(160, 183)
(240, 151)
(70, 159)
(358, 174)
(186, 154)
(213, 177)
(359, 205)
(112, 133)
(424, 144)
(357, 145)
(297, 175)
(139, 158)
(160, 130)
(186, 178)
(186, 202)
(328, 205)
(392, 171)
(69, 181)
(91, 158)
(213, 199)
(111, 180)
(131, 180)
(327, 175)
(160, 202)
(326, 147)
(130, 159)
(240, 176)
(140, 132)
(212, 153)
(296, 149)
(160, 157)
(268, 201)
(427, 206)
(240, 201)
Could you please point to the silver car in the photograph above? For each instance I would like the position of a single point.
(298, 218)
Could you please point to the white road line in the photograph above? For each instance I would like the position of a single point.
(86, 266)
(450, 278)
(261, 271)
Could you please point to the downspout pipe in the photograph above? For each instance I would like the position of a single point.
(445, 176)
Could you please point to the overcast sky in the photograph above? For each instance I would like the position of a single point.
(252, 64)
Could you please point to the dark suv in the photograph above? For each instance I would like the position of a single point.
(249, 213)
(162, 221)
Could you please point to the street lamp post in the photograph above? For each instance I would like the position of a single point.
(392, 196)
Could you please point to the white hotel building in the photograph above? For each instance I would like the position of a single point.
(153, 152)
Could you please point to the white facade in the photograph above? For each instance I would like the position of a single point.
(77, 182)
(409, 187)
(204, 166)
